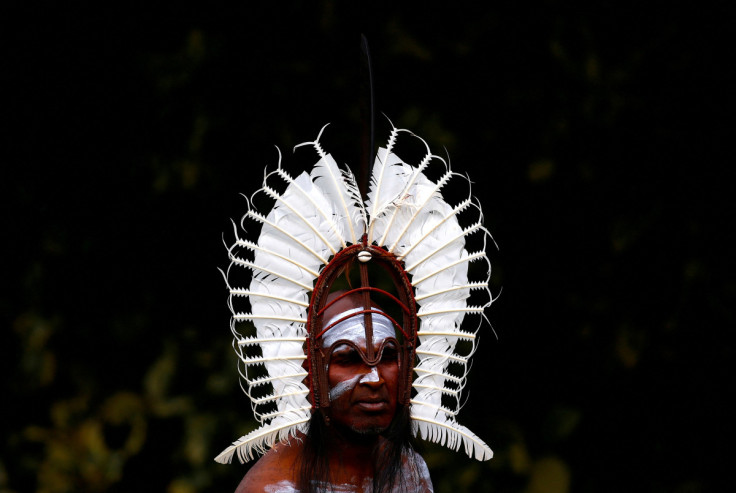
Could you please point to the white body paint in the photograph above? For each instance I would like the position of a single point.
(370, 377)
(414, 470)
(348, 384)
(353, 328)
(343, 387)
(421, 470)
(282, 487)
(289, 487)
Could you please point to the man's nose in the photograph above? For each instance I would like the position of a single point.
(372, 377)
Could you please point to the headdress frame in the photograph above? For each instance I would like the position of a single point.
(363, 254)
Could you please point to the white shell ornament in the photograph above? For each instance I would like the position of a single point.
(364, 256)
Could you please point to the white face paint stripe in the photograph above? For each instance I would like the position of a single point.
(348, 384)
(343, 387)
(353, 328)
(370, 377)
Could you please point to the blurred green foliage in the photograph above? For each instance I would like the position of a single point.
(590, 134)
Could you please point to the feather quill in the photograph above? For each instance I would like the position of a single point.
(305, 187)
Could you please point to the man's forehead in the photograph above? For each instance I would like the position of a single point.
(343, 302)
(350, 326)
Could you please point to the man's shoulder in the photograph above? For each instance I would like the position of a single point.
(275, 471)
(416, 472)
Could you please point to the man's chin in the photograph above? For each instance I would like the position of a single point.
(368, 430)
(365, 429)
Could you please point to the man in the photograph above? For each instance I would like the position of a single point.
(337, 384)
(366, 446)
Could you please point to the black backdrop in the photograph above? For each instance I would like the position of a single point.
(591, 136)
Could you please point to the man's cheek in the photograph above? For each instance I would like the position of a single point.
(341, 387)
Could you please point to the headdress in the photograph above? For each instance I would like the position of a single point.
(318, 228)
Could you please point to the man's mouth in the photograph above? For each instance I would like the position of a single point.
(372, 404)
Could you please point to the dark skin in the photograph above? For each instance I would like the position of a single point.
(358, 415)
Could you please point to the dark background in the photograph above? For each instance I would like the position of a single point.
(592, 136)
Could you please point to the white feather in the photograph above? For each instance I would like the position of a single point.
(305, 187)
(265, 437)
(383, 188)
(388, 182)
(339, 188)
(423, 197)
(394, 213)
(452, 435)
(294, 208)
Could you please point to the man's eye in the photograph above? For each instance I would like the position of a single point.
(389, 354)
(345, 357)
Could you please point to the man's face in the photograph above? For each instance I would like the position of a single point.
(363, 398)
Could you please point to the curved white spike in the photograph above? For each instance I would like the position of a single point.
(434, 406)
(410, 183)
(327, 219)
(468, 309)
(250, 316)
(378, 177)
(257, 361)
(454, 357)
(437, 186)
(258, 217)
(245, 292)
(258, 248)
(447, 217)
(248, 341)
(264, 380)
(270, 398)
(452, 378)
(279, 198)
(470, 286)
(443, 390)
(281, 413)
(254, 266)
(469, 258)
(342, 182)
(315, 143)
(460, 334)
(435, 251)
